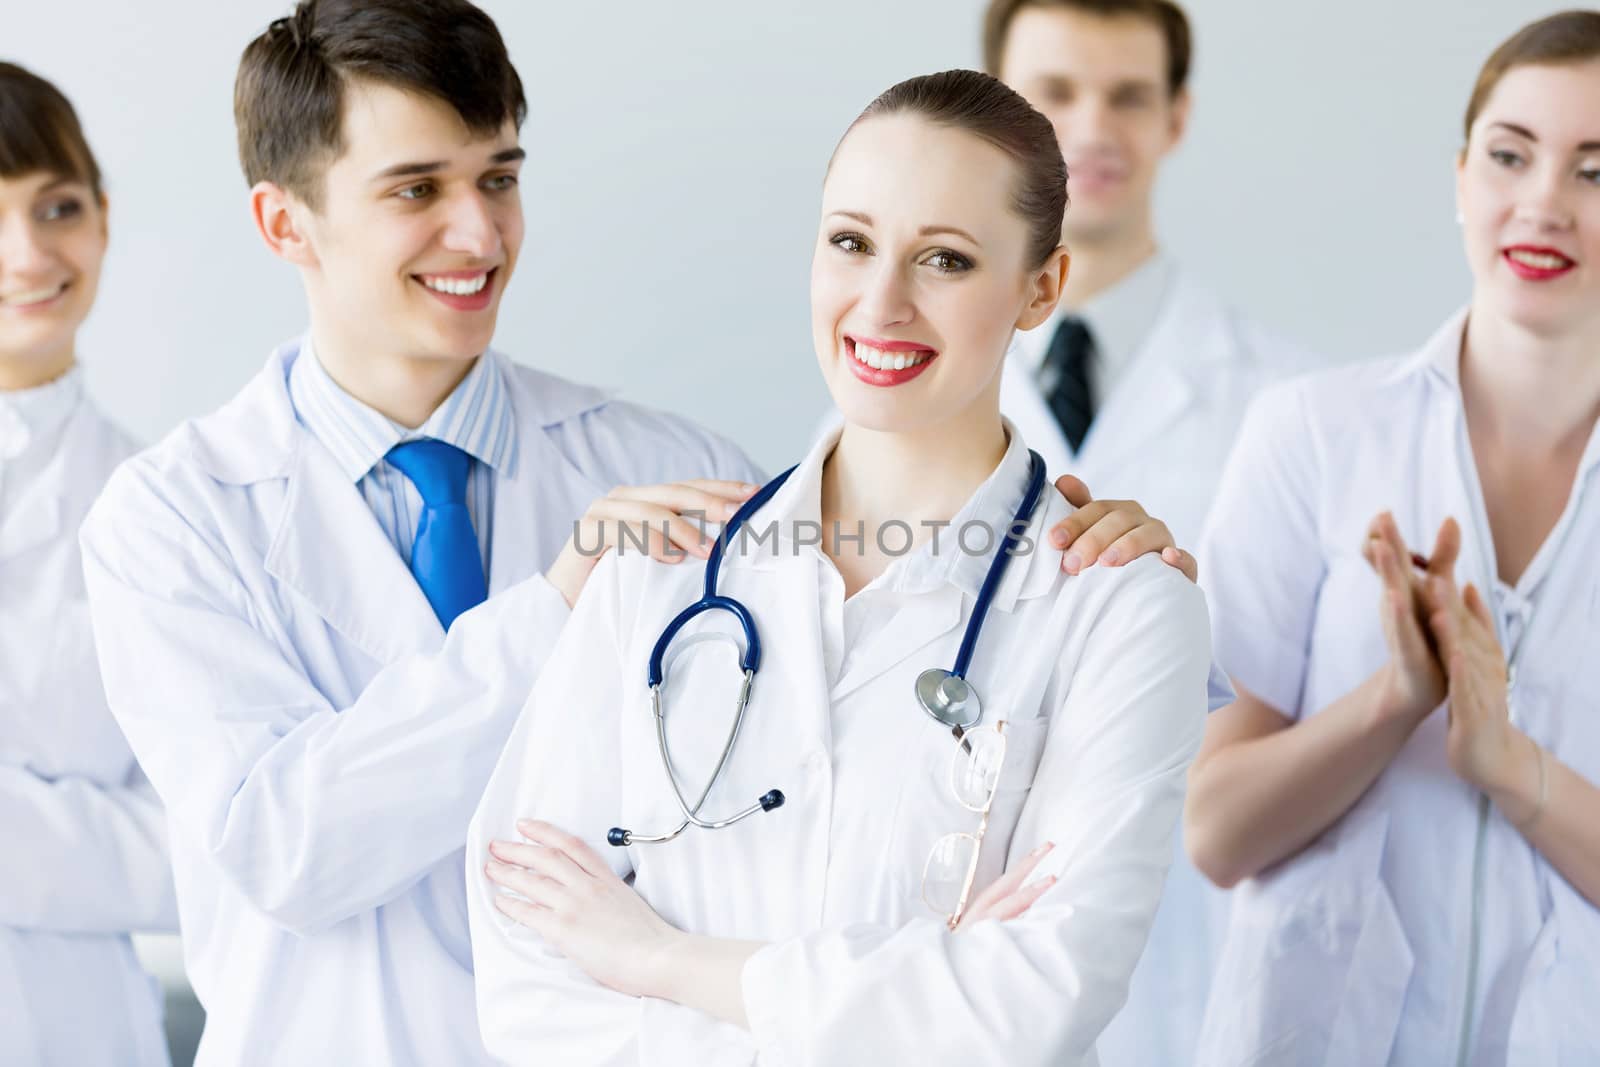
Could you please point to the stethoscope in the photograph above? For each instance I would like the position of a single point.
(945, 695)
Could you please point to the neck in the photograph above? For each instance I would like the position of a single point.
(30, 373)
(1535, 392)
(404, 389)
(916, 477)
(1101, 261)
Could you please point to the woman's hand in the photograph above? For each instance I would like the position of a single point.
(1414, 677)
(1112, 532)
(1483, 747)
(576, 902)
(658, 516)
(1008, 897)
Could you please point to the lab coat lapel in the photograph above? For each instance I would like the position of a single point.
(921, 620)
(36, 518)
(1024, 405)
(1159, 387)
(541, 496)
(329, 548)
(801, 669)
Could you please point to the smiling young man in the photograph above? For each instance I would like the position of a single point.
(1140, 378)
(287, 591)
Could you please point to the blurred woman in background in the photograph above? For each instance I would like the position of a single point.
(85, 857)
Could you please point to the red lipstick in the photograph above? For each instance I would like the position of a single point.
(1555, 265)
(886, 377)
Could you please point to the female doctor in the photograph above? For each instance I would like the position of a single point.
(85, 854)
(840, 927)
(1422, 885)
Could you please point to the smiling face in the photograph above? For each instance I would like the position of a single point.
(417, 231)
(1102, 82)
(919, 275)
(1528, 188)
(52, 242)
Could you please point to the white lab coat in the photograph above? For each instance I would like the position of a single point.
(1162, 438)
(85, 859)
(1421, 928)
(1102, 679)
(1163, 434)
(317, 739)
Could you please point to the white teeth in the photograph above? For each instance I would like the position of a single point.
(33, 296)
(880, 360)
(457, 286)
(1539, 260)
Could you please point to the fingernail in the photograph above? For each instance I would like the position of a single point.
(730, 509)
(1109, 557)
(525, 825)
(1042, 849)
(1072, 563)
(1058, 538)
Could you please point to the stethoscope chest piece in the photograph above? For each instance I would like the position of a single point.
(948, 698)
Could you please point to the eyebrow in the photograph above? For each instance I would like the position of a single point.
(1524, 132)
(411, 170)
(926, 231)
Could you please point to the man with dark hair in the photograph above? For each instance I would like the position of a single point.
(286, 591)
(1139, 380)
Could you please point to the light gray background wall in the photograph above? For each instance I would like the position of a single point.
(675, 155)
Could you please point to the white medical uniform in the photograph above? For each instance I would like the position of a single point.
(1421, 928)
(1102, 681)
(80, 828)
(318, 740)
(1173, 371)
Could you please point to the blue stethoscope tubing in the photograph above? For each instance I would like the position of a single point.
(944, 695)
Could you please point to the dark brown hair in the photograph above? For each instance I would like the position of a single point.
(988, 108)
(1569, 37)
(1167, 16)
(288, 99)
(39, 131)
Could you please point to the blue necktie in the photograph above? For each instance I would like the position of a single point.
(444, 553)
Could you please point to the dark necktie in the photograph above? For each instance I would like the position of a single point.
(1064, 379)
(444, 554)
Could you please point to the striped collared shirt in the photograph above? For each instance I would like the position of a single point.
(476, 417)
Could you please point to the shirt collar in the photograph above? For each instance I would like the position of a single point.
(26, 415)
(797, 507)
(476, 417)
(1439, 359)
(1119, 318)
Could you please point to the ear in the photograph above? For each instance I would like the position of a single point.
(105, 220)
(1045, 289)
(1461, 172)
(1182, 104)
(281, 221)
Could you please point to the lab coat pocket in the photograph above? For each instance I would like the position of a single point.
(1554, 1023)
(929, 807)
(1316, 963)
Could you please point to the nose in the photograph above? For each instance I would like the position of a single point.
(1545, 202)
(887, 300)
(471, 226)
(1086, 123)
(23, 250)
